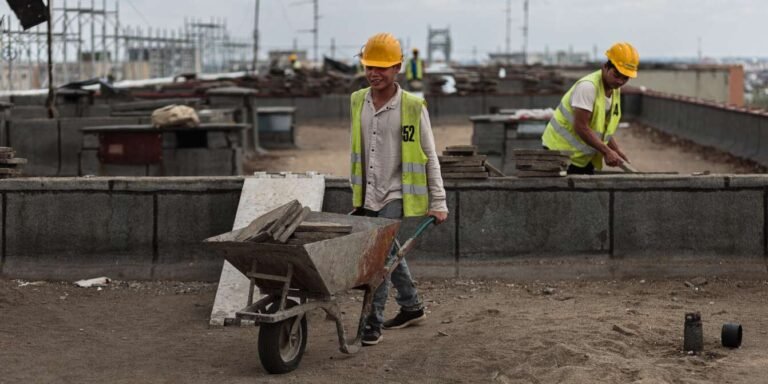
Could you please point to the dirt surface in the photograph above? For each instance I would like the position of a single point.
(476, 332)
(324, 147)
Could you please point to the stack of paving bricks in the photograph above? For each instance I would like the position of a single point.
(541, 163)
(463, 162)
(10, 165)
(285, 225)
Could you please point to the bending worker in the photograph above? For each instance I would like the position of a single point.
(395, 171)
(588, 115)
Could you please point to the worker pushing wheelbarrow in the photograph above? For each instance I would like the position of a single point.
(299, 276)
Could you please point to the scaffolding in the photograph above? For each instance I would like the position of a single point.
(90, 42)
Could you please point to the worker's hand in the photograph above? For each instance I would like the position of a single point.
(440, 217)
(613, 158)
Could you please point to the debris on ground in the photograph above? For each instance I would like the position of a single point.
(95, 282)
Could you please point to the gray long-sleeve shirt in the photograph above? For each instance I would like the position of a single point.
(382, 164)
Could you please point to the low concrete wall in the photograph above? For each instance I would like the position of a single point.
(738, 131)
(575, 227)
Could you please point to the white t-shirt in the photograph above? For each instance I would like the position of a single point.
(583, 97)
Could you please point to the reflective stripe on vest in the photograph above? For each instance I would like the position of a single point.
(414, 161)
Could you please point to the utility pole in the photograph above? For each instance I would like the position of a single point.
(51, 101)
(509, 31)
(255, 38)
(525, 32)
(314, 29)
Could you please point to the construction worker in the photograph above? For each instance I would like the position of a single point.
(395, 171)
(589, 113)
(414, 71)
(295, 63)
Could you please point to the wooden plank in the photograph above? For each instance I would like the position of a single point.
(462, 169)
(296, 222)
(473, 163)
(493, 171)
(536, 152)
(316, 236)
(318, 226)
(257, 229)
(473, 175)
(279, 226)
(458, 159)
(12, 162)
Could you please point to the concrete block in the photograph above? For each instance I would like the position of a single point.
(90, 165)
(337, 199)
(747, 181)
(682, 222)
(100, 110)
(55, 184)
(112, 233)
(219, 184)
(630, 182)
(72, 139)
(23, 112)
(501, 224)
(90, 141)
(38, 142)
(198, 162)
(183, 222)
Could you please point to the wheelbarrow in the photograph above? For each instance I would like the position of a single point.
(295, 279)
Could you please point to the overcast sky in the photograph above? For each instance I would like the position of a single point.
(658, 28)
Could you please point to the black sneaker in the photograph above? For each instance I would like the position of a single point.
(371, 335)
(405, 318)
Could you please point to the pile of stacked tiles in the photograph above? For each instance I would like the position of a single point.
(10, 165)
(463, 162)
(541, 163)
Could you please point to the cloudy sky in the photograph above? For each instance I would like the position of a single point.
(658, 28)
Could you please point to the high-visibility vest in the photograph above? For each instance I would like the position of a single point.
(560, 135)
(414, 161)
(409, 74)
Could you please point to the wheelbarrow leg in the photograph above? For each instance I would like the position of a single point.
(335, 313)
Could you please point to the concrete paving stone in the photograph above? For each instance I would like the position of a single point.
(183, 222)
(687, 222)
(38, 142)
(649, 181)
(532, 223)
(78, 228)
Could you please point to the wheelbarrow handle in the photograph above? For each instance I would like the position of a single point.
(408, 244)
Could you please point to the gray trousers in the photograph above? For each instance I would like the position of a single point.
(407, 296)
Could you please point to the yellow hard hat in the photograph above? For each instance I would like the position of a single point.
(382, 50)
(292, 57)
(624, 56)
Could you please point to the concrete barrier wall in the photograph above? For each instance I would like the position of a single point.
(737, 131)
(603, 226)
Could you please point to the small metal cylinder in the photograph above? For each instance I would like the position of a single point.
(693, 336)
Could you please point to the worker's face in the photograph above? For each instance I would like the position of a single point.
(381, 78)
(613, 78)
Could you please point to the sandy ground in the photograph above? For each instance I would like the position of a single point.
(476, 332)
(324, 147)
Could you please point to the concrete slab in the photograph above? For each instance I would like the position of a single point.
(113, 234)
(260, 195)
(502, 224)
(180, 232)
(688, 223)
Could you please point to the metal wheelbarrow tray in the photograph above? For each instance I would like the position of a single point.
(313, 273)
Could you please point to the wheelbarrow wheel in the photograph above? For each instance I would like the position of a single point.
(281, 344)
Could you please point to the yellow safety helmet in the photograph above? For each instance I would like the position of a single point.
(382, 50)
(293, 57)
(624, 56)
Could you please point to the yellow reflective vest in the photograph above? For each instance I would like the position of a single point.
(414, 160)
(410, 74)
(560, 135)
